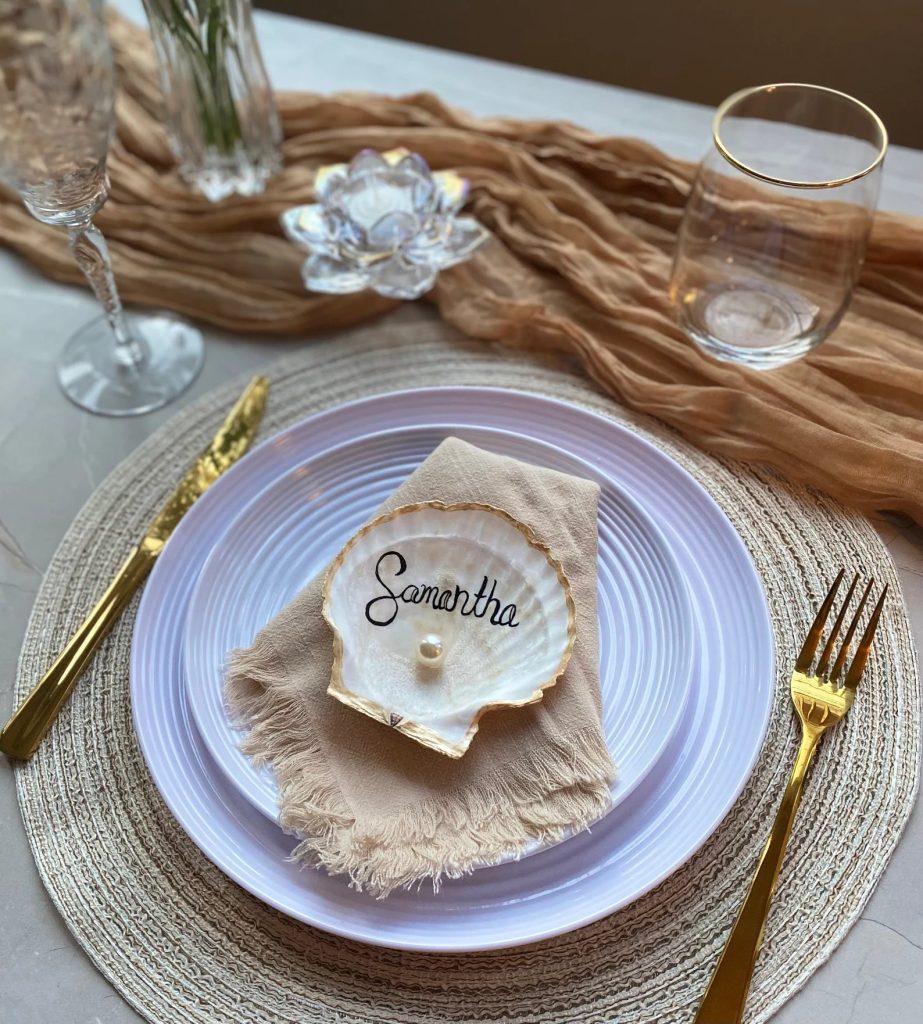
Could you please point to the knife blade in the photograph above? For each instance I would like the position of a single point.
(33, 718)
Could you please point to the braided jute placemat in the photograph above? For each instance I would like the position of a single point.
(182, 943)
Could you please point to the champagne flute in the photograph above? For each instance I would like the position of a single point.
(57, 99)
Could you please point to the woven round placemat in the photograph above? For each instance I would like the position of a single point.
(183, 943)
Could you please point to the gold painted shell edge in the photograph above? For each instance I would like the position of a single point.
(421, 733)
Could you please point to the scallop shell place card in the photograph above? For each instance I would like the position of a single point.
(443, 612)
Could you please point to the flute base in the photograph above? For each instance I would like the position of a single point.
(93, 376)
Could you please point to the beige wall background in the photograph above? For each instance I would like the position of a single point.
(699, 50)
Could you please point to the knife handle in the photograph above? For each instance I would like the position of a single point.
(33, 718)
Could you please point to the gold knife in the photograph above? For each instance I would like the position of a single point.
(33, 718)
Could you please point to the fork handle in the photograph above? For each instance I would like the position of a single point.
(33, 718)
(726, 994)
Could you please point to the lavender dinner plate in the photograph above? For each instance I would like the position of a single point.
(292, 529)
(667, 817)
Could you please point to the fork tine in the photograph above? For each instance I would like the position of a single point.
(847, 640)
(835, 632)
(865, 645)
(817, 627)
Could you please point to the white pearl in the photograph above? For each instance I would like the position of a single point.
(431, 651)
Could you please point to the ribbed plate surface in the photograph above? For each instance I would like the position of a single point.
(655, 829)
(290, 531)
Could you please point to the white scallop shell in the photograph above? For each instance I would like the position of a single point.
(494, 656)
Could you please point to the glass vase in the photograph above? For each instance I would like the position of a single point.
(221, 117)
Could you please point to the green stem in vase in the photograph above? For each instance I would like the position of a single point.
(216, 35)
(201, 30)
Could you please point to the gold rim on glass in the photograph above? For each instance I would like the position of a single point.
(790, 183)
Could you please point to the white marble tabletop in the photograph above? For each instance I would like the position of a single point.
(52, 456)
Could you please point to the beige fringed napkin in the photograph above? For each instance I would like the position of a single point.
(371, 803)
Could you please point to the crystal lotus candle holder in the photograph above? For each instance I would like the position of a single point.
(383, 221)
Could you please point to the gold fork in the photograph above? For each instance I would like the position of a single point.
(820, 700)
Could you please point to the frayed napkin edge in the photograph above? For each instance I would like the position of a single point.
(542, 797)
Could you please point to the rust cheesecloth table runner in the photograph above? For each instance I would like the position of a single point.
(584, 229)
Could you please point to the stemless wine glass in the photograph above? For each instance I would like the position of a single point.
(57, 101)
(777, 222)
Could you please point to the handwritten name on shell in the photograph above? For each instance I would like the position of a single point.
(382, 610)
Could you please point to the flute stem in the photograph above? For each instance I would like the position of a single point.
(90, 251)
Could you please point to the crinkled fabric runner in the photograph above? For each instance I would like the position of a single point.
(584, 230)
(181, 942)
